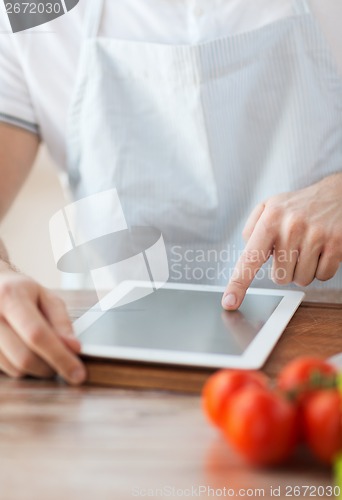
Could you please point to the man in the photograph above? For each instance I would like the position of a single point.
(196, 113)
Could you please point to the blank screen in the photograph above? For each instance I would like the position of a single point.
(182, 320)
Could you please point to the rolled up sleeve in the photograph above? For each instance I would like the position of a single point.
(15, 103)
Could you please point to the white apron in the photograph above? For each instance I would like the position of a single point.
(194, 136)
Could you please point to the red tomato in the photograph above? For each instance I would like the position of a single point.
(322, 423)
(261, 426)
(303, 373)
(222, 385)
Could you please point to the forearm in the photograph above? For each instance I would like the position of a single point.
(18, 150)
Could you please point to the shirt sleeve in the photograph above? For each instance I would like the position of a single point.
(15, 103)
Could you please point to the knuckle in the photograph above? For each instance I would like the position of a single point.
(295, 225)
(238, 283)
(272, 214)
(317, 236)
(334, 246)
(12, 290)
(330, 254)
(250, 256)
(337, 239)
(35, 335)
(7, 292)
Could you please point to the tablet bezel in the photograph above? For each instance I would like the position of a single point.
(253, 357)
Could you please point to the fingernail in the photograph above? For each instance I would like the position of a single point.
(78, 376)
(229, 300)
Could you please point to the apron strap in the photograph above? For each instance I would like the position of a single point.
(93, 16)
(301, 7)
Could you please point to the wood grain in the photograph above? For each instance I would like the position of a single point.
(58, 442)
(119, 373)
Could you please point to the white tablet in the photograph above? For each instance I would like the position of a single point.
(186, 325)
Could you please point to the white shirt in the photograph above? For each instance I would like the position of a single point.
(38, 67)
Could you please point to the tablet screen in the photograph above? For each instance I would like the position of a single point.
(182, 320)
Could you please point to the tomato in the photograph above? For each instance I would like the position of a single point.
(322, 423)
(221, 385)
(261, 425)
(305, 374)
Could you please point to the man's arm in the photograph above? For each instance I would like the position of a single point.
(35, 330)
(18, 149)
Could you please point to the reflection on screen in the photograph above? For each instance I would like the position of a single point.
(182, 320)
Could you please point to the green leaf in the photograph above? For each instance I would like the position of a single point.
(339, 382)
(338, 474)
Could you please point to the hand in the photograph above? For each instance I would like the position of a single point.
(303, 232)
(35, 331)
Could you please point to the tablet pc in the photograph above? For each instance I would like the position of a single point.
(183, 324)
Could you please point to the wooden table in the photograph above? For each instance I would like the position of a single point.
(58, 442)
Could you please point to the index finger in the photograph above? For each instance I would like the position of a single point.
(37, 334)
(257, 251)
